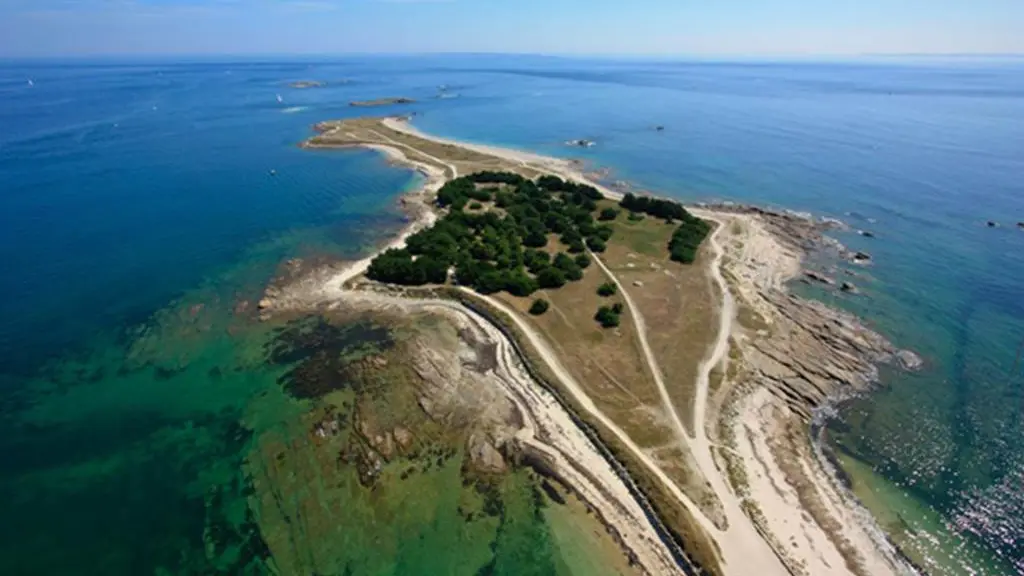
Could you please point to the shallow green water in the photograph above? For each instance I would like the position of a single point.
(180, 448)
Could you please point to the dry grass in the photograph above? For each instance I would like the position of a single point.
(679, 302)
(355, 131)
(608, 363)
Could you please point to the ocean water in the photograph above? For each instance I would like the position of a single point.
(138, 212)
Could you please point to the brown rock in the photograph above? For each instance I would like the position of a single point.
(484, 457)
(265, 303)
(404, 438)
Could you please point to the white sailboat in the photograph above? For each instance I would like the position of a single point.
(279, 99)
(30, 82)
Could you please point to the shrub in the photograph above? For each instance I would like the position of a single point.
(596, 244)
(539, 307)
(474, 205)
(617, 308)
(607, 317)
(536, 260)
(607, 289)
(551, 277)
(635, 216)
(608, 214)
(568, 266)
(583, 261)
(535, 239)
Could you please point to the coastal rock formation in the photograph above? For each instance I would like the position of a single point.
(380, 102)
(861, 258)
(483, 456)
(819, 277)
(816, 352)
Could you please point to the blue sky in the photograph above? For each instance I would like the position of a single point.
(684, 27)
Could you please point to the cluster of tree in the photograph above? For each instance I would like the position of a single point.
(607, 289)
(664, 209)
(686, 239)
(493, 252)
(490, 177)
(609, 316)
(457, 193)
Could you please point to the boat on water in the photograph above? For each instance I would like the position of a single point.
(279, 99)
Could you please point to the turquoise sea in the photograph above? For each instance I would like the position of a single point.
(139, 215)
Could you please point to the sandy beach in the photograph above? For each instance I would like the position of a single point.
(779, 520)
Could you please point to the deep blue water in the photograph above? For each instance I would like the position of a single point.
(126, 186)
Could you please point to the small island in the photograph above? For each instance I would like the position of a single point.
(381, 102)
(303, 84)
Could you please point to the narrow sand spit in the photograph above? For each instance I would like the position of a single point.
(783, 537)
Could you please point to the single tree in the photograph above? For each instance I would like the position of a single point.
(539, 307)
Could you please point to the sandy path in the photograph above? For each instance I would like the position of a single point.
(726, 316)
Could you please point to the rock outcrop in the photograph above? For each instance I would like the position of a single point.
(816, 352)
(819, 277)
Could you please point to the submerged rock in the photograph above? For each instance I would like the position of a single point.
(993, 224)
(819, 277)
(909, 360)
(849, 288)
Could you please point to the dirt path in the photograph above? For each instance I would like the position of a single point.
(743, 549)
(726, 316)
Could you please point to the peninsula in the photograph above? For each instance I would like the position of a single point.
(648, 356)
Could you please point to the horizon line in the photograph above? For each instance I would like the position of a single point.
(561, 55)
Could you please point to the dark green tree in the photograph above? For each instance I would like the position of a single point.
(539, 307)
